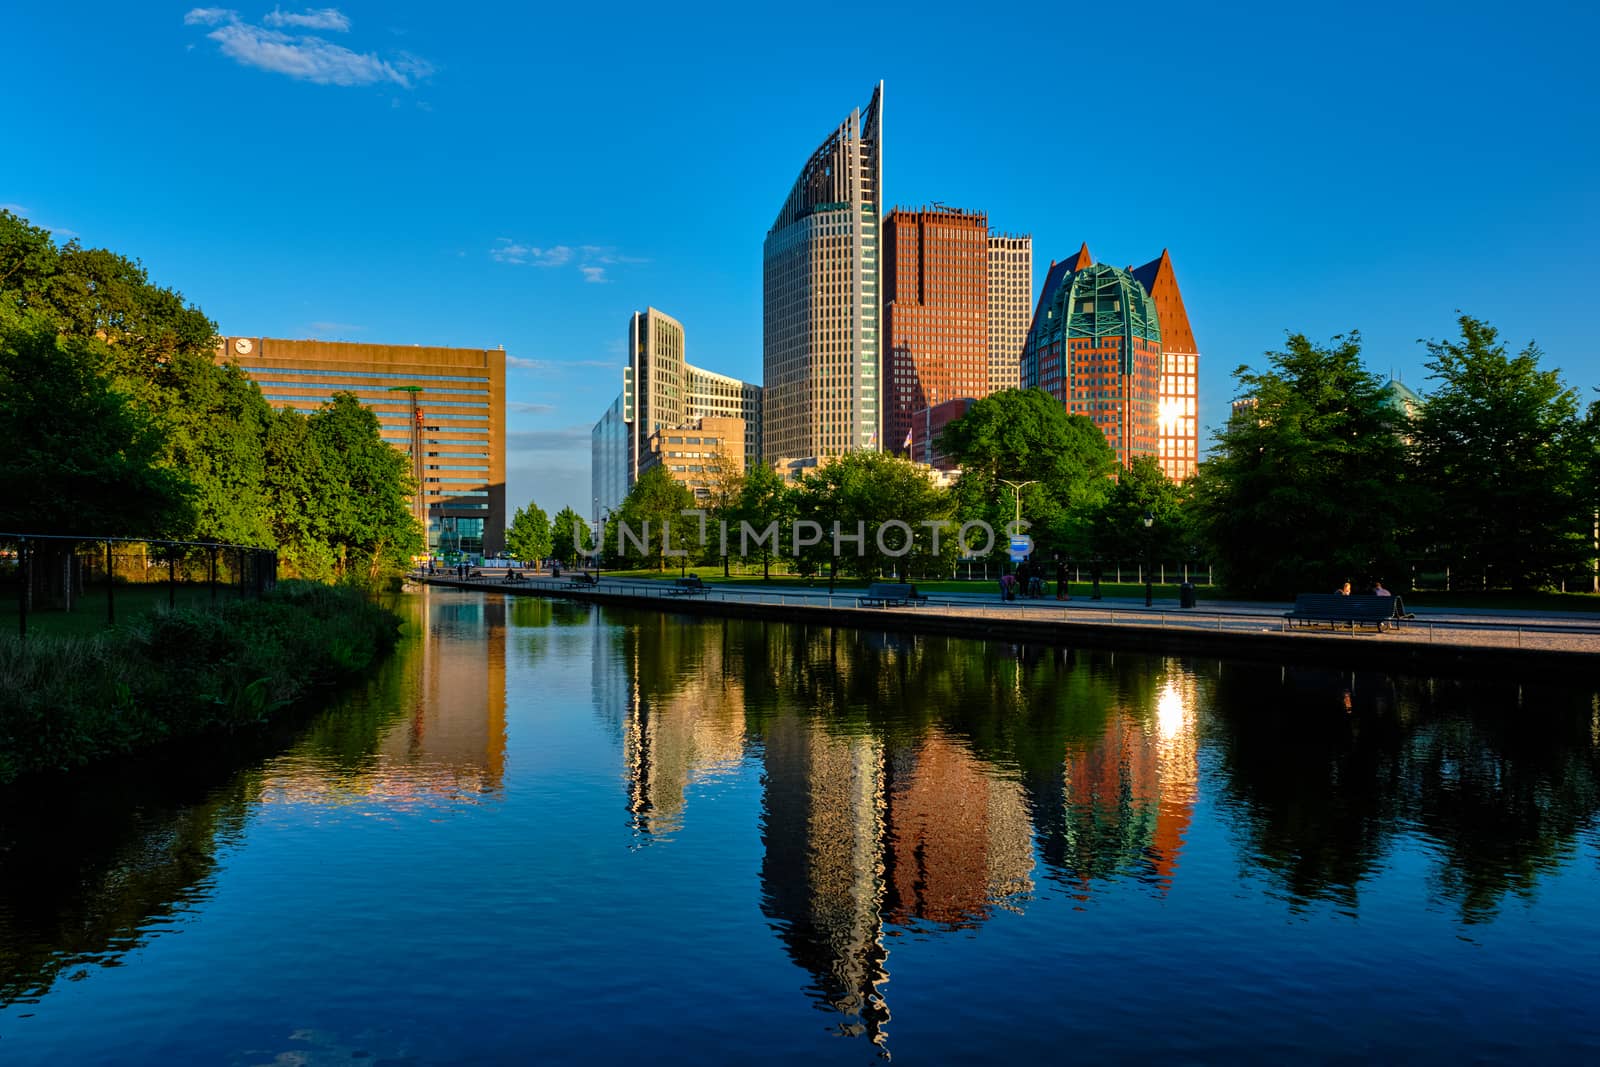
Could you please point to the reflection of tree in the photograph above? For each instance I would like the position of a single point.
(1327, 770)
(88, 871)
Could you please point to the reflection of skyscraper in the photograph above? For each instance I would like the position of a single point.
(824, 835)
(960, 841)
(676, 737)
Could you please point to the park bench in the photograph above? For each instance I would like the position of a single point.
(690, 586)
(1352, 611)
(582, 578)
(890, 595)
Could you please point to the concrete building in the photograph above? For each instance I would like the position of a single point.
(662, 390)
(1010, 307)
(935, 313)
(698, 453)
(1115, 346)
(820, 304)
(721, 396)
(444, 407)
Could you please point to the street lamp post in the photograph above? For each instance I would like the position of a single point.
(1149, 593)
(1016, 491)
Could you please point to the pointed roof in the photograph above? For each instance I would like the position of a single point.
(1083, 258)
(1161, 283)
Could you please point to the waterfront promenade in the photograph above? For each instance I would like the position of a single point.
(1454, 638)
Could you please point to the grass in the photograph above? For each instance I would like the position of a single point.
(88, 616)
(68, 699)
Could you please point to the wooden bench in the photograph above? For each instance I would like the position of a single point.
(890, 595)
(1352, 611)
(690, 586)
(583, 578)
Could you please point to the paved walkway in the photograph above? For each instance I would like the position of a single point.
(1556, 631)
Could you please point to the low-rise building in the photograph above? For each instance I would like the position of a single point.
(697, 454)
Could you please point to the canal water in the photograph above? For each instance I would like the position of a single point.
(547, 831)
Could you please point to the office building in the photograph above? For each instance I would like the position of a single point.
(1108, 348)
(820, 298)
(935, 313)
(662, 390)
(444, 407)
(697, 454)
(1010, 307)
(926, 426)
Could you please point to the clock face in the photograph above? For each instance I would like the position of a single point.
(242, 346)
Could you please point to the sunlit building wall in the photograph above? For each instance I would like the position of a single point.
(820, 304)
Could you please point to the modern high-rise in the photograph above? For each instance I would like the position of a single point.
(662, 390)
(444, 407)
(820, 304)
(1095, 346)
(1010, 307)
(935, 313)
(1115, 346)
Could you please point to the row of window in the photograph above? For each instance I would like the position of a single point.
(350, 376)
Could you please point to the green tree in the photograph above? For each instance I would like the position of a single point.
(81, 457)
(295, 481)
(1502, 453)
(569, 535)
(1025, 435)
(764, 503)
(653, 520)
(1119, 532)
(860, 493)
(365, 493)
(528, 537)
(1306, 487)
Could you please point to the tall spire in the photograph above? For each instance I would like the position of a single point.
(1083, 258)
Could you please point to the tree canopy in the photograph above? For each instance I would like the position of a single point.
(1305, 487)
(528, 536)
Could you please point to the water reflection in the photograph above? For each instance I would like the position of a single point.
(882, 792)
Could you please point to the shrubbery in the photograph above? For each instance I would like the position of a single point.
(65, 702)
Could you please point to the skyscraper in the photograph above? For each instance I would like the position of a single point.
(1010, 307)
(820, 307)
(1095, 345)
(655, 382)
(1115, 346)
(935, 312)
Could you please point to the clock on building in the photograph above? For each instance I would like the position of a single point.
(242, 346)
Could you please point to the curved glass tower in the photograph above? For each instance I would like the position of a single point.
(821, 303)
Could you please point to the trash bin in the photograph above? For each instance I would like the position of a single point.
(1186, 595)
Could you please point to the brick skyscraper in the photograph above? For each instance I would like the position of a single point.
(936, 312)
(1179, 405)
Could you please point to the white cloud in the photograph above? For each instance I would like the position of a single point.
(328, 18)
(525, 408)
(591, 260)
(15, 209)
(305, 56)
(210, 16)
(506, 250)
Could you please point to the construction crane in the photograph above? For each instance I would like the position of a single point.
(419, 502)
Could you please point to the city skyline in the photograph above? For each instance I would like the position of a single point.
(375, 195)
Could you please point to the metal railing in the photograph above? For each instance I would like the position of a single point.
(53, 570)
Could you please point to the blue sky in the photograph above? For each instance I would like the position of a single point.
(529, 175)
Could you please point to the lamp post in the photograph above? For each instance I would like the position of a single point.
(1149, 593)
(1016, 491)
(600, 541)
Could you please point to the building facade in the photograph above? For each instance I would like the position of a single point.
(1010, 307)
(662, 390)
(1090, 346)
(935, 313)
(1095, 345)
(926, 426)
(697, 454)
(444, 407)
(725, 397)
(610, 453)
(1178, 435)
(820, 298)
